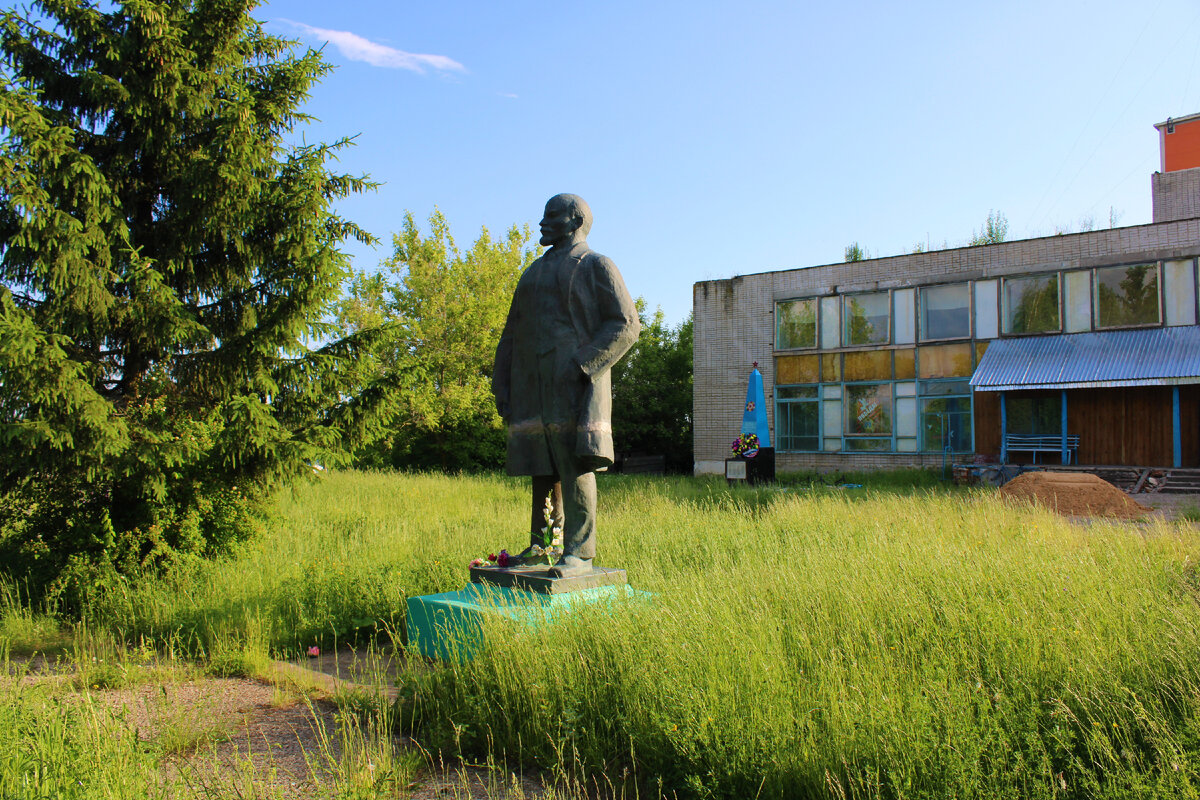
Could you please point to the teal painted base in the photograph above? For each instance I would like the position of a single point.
(450, 625)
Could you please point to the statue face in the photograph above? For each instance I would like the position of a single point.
(557, 224)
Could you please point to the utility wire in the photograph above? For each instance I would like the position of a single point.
(1095, 110)
(1118, 118)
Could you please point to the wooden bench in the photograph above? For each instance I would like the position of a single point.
(1042, 443)
(643, 465)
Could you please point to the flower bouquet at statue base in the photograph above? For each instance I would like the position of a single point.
(745, 446)
(549, 550)
(546, 553)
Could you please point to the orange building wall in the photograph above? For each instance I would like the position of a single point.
(1181, 149)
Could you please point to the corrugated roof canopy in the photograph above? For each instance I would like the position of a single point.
(1148, 357)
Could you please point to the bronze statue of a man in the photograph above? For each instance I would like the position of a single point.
(571, 319)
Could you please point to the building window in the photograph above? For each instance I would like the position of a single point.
(1127, 296)
(946, 424)
(797, 418)
(796, 324)
(1031, 304)
(869, 410)
(1034, 414)
(946, 312)
(867, 319)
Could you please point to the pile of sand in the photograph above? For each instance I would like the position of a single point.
(1075, 494)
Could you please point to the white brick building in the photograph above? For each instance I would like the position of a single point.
(868, 364)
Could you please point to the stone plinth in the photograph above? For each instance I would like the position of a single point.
(451, 625)
(537, 578)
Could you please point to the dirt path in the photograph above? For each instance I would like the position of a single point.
(280, 737)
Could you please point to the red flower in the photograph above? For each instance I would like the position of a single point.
(502, 559)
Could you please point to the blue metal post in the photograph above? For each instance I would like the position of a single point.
(1003, 431)
(1066, 455)
(1176, 434)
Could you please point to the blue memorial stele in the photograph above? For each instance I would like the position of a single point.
(759, 462)
(754, 417)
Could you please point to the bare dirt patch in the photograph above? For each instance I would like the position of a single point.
(238, 737)
(1073, 494)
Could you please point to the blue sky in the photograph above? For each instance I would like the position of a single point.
(716, 139)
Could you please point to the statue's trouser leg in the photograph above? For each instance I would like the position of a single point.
(579, 500)
(545, 485)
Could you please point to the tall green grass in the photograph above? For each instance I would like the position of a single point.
(801, 641)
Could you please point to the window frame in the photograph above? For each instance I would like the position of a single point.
(816, 345)
(891, 434)
(1004, 303)
(845, 320)
(1095, 288)
(970, 334)
(924, 396)
(816, 401)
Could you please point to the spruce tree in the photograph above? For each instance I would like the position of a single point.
(167, 259)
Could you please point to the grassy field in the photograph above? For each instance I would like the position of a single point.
(802, 641)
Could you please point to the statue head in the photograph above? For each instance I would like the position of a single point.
(567, 218)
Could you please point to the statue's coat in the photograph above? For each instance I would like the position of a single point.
(585, 325)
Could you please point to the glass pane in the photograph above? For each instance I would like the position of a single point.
(946, 424)
(798, 426)
(831, 368)
(946, 312)
(1077, 299)
(1179, 290)
(986, 323)
(869, 408)
(906, 445)
(796, 323)
(797, 369)
(1034, 414)
(832, 391)
(906, 416)
(833, 445)
(902, 301)
(873, 365)
(945, 387)
(1031, 304)
(906, 389)
(867, 318)
(946, 361)
(830, 324)
(1127, 296)
(874, 445)
(832, 417)
(906, 364)
(795, 392)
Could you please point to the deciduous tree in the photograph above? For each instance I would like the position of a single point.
(446, 310)
(652, 393)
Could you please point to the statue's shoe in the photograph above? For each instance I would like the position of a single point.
(569, 566)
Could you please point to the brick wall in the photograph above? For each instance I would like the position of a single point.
(1175, 195)
(845, 462)
(734, 317)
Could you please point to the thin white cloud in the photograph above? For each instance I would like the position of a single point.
(509, 95)
(357, 48)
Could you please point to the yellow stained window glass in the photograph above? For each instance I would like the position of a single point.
(797, 369)
(872, 365)
(831, 368)
(945, 361)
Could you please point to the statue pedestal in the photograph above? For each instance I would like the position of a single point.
(451, 625)
(536, 579)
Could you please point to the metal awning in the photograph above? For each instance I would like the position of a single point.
(1147, 357)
